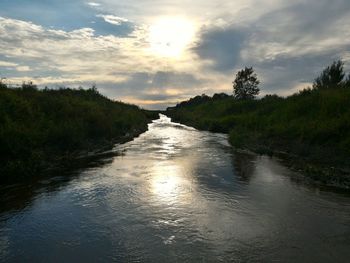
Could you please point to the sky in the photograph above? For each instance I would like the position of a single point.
(157, 53)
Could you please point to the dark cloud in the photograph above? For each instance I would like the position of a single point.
(284, 72)
(305, 25)
(221, 46)
(317, 20)
(287, 47)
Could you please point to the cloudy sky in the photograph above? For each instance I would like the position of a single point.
(156, 53)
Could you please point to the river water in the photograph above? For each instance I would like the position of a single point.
(174, 194)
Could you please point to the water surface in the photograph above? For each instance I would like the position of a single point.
(174, 194)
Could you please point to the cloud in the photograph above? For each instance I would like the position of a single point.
(7, 64)
(114, 20)
(287, 42)
(64, 15)
(288, 46)
(297, 30)
(23, 68)
(93, 4)
(163, 79)
(154, 90)
(76, 53)
(221, 47)
(121, 67)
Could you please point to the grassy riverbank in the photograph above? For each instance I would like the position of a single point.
(41, 128)
(309, 130)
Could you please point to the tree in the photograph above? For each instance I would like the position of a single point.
(245, 85)
(347, 82)
(331, 77)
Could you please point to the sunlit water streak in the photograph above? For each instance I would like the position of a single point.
(175, 195)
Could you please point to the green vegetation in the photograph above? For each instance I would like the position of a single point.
(310, 128)
(245, 85)
(332, 77)
(41, 128)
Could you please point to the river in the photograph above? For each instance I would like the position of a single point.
(174, 194)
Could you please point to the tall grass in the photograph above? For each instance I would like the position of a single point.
(38, 127)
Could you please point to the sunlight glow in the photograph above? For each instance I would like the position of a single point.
(166, 183)
(170, 36)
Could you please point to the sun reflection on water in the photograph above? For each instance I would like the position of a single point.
(171, 180)
(167, 182)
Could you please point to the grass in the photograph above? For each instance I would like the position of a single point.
(40, 127)
(311, 127)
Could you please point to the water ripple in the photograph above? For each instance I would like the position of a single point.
(175, 194)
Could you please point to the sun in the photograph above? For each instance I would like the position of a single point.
(170, 36)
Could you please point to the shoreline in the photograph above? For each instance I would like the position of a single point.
(306, 171)
(73, 160)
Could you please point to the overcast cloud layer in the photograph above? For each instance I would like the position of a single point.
(78, 43)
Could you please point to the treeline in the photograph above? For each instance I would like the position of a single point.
(39, 128)
(311, 126)
(201, 99)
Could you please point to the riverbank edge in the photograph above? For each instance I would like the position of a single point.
(305, 170)
(308, 170)
(64, 162)
(96, 149)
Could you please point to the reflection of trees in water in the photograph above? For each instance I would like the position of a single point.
(16, 197)
(244, 165)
